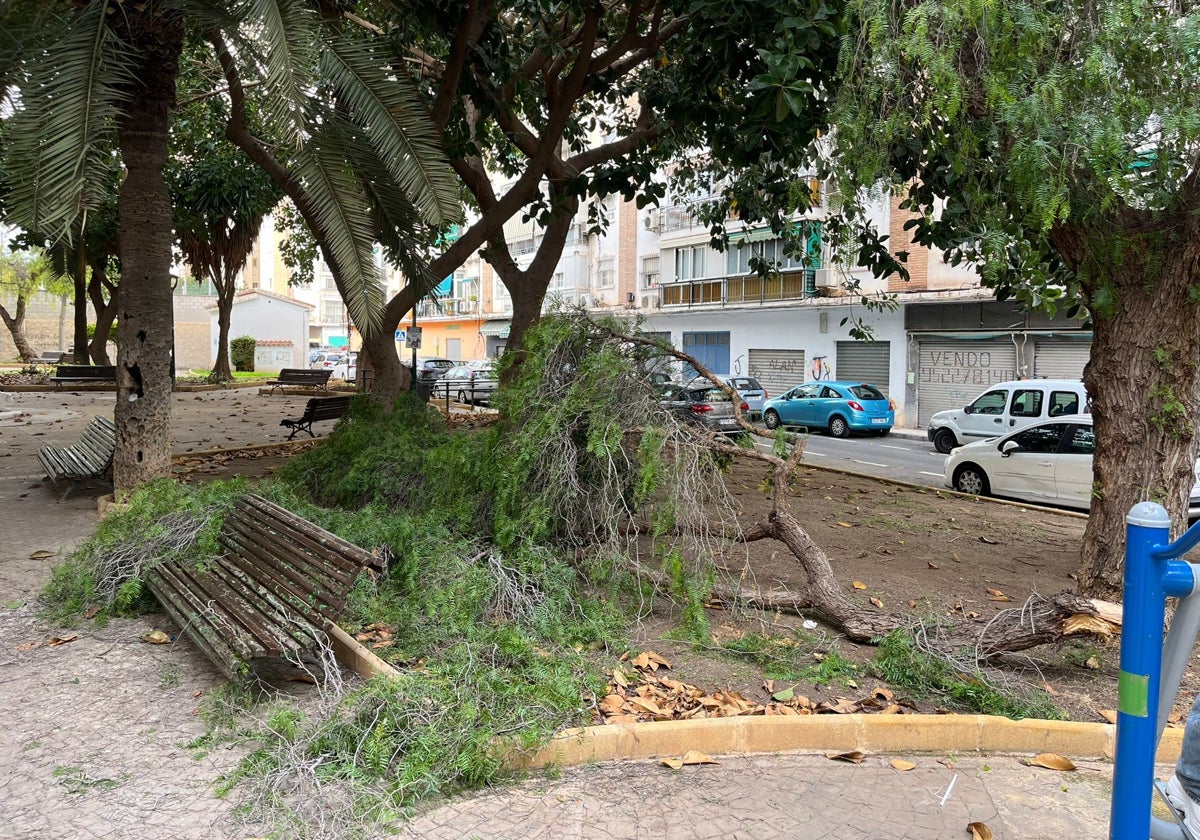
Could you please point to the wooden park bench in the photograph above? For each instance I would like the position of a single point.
(84, 374)
(301, 377)
(264, 605)
(317, 409)
(88, 460)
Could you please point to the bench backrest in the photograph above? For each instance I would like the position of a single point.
(302, 375)
(326, 408)
(304, 566)
(86, 372)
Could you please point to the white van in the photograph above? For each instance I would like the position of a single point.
(1006, 407)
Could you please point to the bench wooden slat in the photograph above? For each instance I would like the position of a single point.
(86, 460)
(301, 376)
(316, 409)
(266, 600)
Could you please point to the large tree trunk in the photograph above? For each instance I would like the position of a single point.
(221, 371)
(15, 321)
(145, 324)
(1144, 383)
(389, 378)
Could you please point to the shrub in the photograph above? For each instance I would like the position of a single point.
(241, 353)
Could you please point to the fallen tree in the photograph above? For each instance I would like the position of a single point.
(1039, 620)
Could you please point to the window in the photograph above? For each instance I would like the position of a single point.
(1081, 440)
(1041, 438)
(990, 403)
(807, 392)
(710, 349)
(1063, 402)
(689, 262)
(770, 251)
(650, 271)
(606, 275)
(1027, 403)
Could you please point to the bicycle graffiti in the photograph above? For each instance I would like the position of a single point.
(820, 369)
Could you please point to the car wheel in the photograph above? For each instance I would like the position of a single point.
(945, 441)
(970, 478)
(462, 397)
(771, 419)
(838, 427)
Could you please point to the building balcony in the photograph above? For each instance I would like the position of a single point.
(746, 290)
(448, 309)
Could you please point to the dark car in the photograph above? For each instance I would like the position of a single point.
(706, 406)
(431, 370)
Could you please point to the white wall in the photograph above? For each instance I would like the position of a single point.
(797, 328)
(269, 319)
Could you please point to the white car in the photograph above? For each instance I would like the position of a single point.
(1047, 463)
(346, 367)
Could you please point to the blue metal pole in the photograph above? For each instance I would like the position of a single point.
(1147, 529)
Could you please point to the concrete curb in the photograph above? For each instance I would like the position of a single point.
(905, 734)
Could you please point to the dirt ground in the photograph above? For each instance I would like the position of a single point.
(97, 727)
(922, 552)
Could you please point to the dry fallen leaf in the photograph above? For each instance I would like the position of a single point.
(1109, 715)
(845, 525)
(156, 637)
(876, 602)
(61, 640)
(1051, 761)
(688, 758)
(999, 598)
(902, 765)
(42, 554)
(979, 831)
(934, 566)
(858, 584)
(854, 757)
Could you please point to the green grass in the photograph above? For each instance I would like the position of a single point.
(926, 676)
(795, 657)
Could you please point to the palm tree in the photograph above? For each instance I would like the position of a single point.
(86, 81)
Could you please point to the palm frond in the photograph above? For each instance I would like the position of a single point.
(60, 140)
(287, 37)
(343, 212)
(389, 110)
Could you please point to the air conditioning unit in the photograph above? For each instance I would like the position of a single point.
(646, 301)
(651, 219)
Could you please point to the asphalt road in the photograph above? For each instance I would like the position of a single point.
(904, 455)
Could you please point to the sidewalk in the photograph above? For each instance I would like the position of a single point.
(95, 729)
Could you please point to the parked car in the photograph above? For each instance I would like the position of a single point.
(326, 359)
(752, 393)
(1049, 462)
(431, 370)
(346, 367)
(703, 405)
(312, 354)
(469, 382)
(1006, 407)
(839, 407)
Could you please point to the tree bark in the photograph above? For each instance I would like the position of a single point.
(146, 320)
(79, 277)
(1144, 383)
(390, 378)
(106, 313)
(15, 321)
(222, 372)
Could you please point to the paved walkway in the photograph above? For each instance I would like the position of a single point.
(95, 732)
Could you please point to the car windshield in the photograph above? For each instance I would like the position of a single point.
(711, 395)
(867, 392)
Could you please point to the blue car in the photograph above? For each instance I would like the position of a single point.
(839, 407)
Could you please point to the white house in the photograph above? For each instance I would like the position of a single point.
(279, 324)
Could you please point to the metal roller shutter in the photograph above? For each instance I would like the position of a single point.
(952, 372)
(1060, 358)
(777, 370)
(867, 361)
